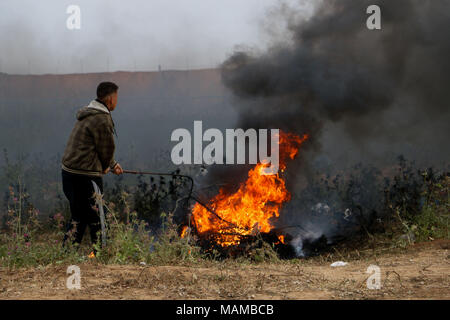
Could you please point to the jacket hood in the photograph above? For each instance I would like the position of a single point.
(94, 107)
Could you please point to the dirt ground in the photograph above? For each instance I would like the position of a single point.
(420, 272)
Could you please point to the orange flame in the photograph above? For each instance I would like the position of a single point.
(252, 207)
(183, 231)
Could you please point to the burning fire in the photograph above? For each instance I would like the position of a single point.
(184, 231)
(250, 209)
(281, 238)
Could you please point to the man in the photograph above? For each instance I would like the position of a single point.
(88, 156)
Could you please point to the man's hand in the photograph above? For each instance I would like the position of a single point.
(117, 169)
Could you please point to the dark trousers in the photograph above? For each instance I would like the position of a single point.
(79, 191)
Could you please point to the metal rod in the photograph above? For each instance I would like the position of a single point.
(190, 190)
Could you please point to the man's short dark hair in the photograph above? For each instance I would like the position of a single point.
(104, 89)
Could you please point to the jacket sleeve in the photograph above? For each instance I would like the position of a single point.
(104, 144)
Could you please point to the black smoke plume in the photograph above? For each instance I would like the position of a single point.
(337, 70)
(383, 88)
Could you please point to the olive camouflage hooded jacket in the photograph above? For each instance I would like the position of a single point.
(90, 149)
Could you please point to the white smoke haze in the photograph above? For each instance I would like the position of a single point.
(134, 35)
